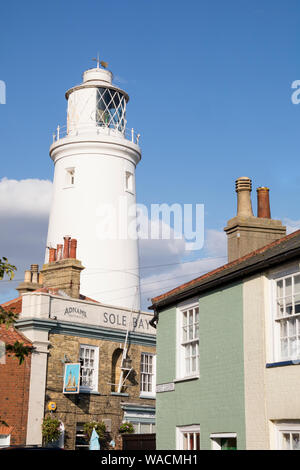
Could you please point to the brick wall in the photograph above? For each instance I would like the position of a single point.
(14, 392)
(72, 409)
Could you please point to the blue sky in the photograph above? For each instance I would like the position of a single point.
(209, 82)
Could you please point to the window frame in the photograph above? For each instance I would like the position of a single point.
(5, 438)
(181, 348)
(69, 177)
(188, 429)
(287, 427)
(277, 320)
(137, 426)
(152, 393)
(94, 388)
(216, 437)
(129, 182)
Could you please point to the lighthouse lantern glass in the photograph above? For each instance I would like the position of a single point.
(111, 109)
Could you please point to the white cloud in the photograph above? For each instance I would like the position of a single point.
(24, 210)
(291, 225)
(30, 197)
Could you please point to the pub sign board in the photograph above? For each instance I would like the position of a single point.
(72, 378)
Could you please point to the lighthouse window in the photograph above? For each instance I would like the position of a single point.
(88, 357)
(129, 181)
(70, 176)
(111, 109)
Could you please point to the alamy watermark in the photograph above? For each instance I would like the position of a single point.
(296, 94)
(125, 221)
(2, 92)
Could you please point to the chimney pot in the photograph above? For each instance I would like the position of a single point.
(263, 203)
(59, 252)
(243, 186)
(27, 277)
(52, 255)
(34, 268)
(66, 253)
(73, 248)
(35, 273)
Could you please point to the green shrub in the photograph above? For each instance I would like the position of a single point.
(50, 429)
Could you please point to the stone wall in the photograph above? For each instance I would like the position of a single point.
(85, 407)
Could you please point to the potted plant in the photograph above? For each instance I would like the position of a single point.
(51, 430)
(126, 428)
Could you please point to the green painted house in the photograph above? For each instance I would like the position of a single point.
(228, 354)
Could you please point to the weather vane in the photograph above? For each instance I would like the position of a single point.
(100, 62)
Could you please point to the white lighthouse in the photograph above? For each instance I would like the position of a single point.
(95, 158)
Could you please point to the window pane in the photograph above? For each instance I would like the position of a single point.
(295, 441)
(286, 441)
(280, 289)
(284, 348)
(288, 287)
(297, 284)
(187, 366)
(288, 306)
(292, 327)
(145, 428)
(280, 308)
(293, 347)
(283, 329)
(297, 303)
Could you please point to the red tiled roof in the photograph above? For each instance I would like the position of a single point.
(225, 266)
(6, 429)
(15, 305)
(11, 335)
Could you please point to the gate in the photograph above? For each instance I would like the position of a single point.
(139, 442)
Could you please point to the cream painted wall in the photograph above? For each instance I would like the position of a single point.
(271, 394)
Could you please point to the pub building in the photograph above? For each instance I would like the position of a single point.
(114, 348)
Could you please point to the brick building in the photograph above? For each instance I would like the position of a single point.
(14, 384)
(65, 327)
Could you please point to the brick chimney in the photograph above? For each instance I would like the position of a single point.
(63, 269)
(245, 232)
(32, 280)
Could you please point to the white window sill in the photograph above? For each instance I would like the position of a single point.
(69, 187)
(149, 397)
(91, 392)
(185, 379)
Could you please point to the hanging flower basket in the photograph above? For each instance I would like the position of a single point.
(126, 428)
(100, 429)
